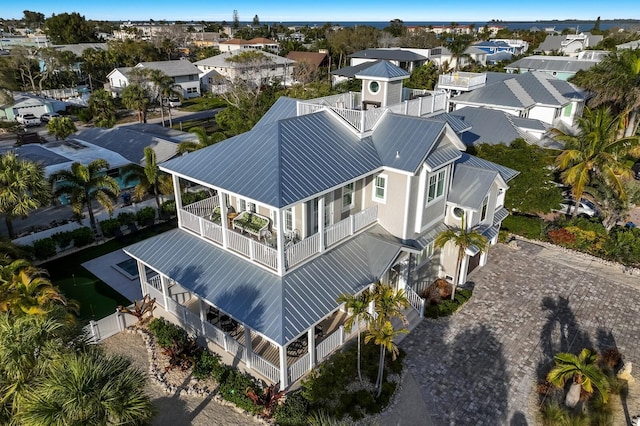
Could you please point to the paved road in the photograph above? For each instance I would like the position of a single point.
(479, 366)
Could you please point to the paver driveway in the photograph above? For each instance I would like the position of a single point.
(479, 366)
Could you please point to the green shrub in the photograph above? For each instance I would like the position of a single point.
(233, 388)
(109, 227)
(447, 306)
(527, 226)
(206, 364)
(167, 333)
(146, 216)
(63, 239)
(293, 412)
(192, 197)
(125, 218)
(168, 208)
(44, 248)
(82, 236)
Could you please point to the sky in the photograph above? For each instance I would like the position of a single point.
(330, 10)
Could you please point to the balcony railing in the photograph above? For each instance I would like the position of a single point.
(268, 256)
(462, 80)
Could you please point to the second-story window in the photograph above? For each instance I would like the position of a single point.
(347, 197)
(288, 219)
(380, 188)
(435, 189)
(485, 204)
(425, 254)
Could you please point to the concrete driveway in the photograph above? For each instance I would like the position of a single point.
(479, 366)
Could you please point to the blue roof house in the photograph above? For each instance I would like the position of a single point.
(342, 192)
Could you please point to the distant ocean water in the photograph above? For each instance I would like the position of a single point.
(559, 25)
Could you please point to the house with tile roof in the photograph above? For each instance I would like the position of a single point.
(322, 197)
(533, 95)
(183, 73)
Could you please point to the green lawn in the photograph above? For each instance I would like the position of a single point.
(96, 298)
(203, 103)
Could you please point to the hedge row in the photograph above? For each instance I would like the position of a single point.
(48, 247)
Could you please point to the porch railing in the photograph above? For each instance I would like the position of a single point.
(299, 368)
(265, 368)
(214, 334)
(155, 282)
(204, 207)
(365, 218)
(156, 293)
(416, 301)
(303, 250)
(338, 231)
(330, 344)
(234, 347)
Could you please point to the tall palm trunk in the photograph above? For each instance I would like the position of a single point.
(359, 371)
(162, 110)
(380, 371)
(92, 217)
(8, 220)
(458, 272)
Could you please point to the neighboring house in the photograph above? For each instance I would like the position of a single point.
(534, 95)
(315, 59)
(407, 59)
(494, 46)
(342, 197)
(635, 44)
(442, 55)
(238, 45)
(569, 44)
(26, 103)
(493, 127)
(183, 73)
(205, 39)
(224, 65)
(560, 67)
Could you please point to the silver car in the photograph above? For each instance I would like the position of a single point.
(585, 207)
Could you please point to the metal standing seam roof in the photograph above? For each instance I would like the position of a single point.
(552, 63)
(385, 70)
(528, 123)
(457, 124)
(280, 308)
(442, 155)
(351, 71)
(500, 215)
(284, 107)
(505, 172)
(403, 142)
(429, 236)
(284, 162)
(490, 126)
(37, 154)
(174, 68)
(470, 185)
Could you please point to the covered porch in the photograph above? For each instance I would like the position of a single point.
(242, 346)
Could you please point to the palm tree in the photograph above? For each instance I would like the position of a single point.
(136, 97)
(26, 344)
(463, 239)
(102, 108)
(61, 127)
(584, 373)
(383, 334)
(358, 307)
(615, 82)
(149, 177)
(27, 289)
(204, 140)
(88, 388)
(388, 304)
(83, 184)
(458, 45)
(23, 188)
(595, 151)
(164, 88)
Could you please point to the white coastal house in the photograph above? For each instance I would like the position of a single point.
(342, 192)
(183, 73)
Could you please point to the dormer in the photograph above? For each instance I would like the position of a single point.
(381, 85)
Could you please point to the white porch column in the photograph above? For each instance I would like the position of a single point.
(403, 276)
(463, 270)
(165, 291)
(321, 223)
(178, 196)
(311, 344)
(223, 217)
(248, 346)
(284, 370)
(203, 314)
(142, 276)
(280, 237)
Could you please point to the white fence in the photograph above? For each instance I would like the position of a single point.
(365, 218)
(108, 326)
(204, 207)
(338, 231)
(299, 368)
(303, 250)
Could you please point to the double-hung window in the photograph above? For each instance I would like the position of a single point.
(347, 197)
(288, 220)
(485, 204)
(425, 254)
(380, 188)
(435, 189)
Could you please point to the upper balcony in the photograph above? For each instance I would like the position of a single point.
(462, 81)
(204, 218)
(348, 106)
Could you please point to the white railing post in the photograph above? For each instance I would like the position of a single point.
(311, 345)
(178, 196)
(248, 352)
(422, 308)
(251, 255)
(94, 330)
(284, 370)
(165, 291)
(281, 249)
(223, 220)
(142, 275)
(200, 225)
(352, 220)
(119, 319)
(203, 315)
(433, 102)
(341, 329)
(321, 240)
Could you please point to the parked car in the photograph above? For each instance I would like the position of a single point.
(585, 207)
(46, 117)
(28, 120)
(174, 102)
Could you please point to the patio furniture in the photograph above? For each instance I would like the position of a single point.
(296, 348)
(251, 223)
(213, 314)
(319, 332)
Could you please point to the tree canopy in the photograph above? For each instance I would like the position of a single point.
(70, 28)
